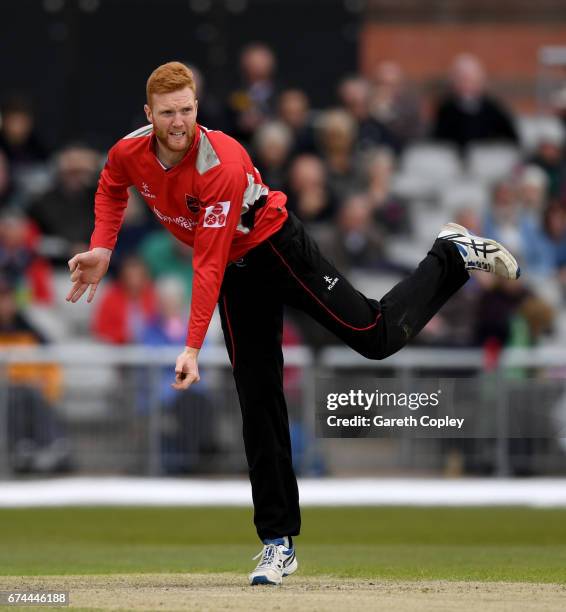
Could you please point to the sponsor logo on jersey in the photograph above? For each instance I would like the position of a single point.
(216, 215)
(184, 222)
(192, 203)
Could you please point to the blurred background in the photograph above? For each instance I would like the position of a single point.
(381, 122)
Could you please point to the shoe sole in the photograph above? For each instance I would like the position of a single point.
(508, 259)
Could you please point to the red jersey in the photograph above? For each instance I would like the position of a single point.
(206, 201)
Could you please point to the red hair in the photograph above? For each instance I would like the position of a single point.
(168, 78)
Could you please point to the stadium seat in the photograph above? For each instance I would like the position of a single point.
(373, 284)
(491, 162)
(468, 194)
(433, 164)
(426, 222)
(533, 129)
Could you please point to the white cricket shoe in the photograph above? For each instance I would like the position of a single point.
(278, 560)
(481, 253)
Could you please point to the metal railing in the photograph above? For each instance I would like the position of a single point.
(114, 413)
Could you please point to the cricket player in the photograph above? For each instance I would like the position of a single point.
(251, 257)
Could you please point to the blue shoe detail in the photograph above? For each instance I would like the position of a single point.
(462, 249)
(262, 580)
(518, 272)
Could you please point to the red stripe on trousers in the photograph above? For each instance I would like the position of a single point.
(317, 300)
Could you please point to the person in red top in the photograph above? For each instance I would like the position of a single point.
(252, 257)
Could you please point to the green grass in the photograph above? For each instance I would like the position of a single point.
(510, 544)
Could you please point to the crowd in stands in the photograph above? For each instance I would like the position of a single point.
(373, 175)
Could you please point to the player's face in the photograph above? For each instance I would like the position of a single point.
(174, 117)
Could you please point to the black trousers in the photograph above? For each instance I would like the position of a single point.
(288, 268)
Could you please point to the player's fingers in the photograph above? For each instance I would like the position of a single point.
(92, 292)
(184, 381)
(72, 291)
(79, 291)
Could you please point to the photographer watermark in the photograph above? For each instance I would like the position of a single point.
(426, 408)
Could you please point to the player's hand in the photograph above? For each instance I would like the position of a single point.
(186, 369)
(87, 270)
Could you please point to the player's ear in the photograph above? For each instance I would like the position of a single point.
(196, 107)
(148, 113)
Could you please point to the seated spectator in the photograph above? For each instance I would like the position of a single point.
(18, 138)
(549, 156)
(126, 305)
(64, 215)
(508, 223)
(510, 315)
(390, 212)
(307, 191)
(138, 224)
(355, 240)
(164, 255)
(337, 134)
(354, 95)
(532, 192)
(555, 228)
(188, 435)
(35, 435)
(253, 103)
(293, 109)
(210, 111)
(29, 274)
(272, 144)
(395, 104)
(7, 190)
(468, 113)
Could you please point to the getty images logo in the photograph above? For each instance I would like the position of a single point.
(330, 282)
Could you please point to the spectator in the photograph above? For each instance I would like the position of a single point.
(138, 224)
(337, 134)
(210, 113)
(29, 274)
(354, 95)
(35, 435)
(549, 157)
(555, 227)
(509, 224)
(64, 214)
(126, 305)
(166, 256)
(390, 212)
(355, 241)
(293, 108)
(272, 143)
(468, 114)
(532, 192)
(308, 194)
(188, 435)
(396, 105)
(18, 139)
(7, 191)
(253, 103)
